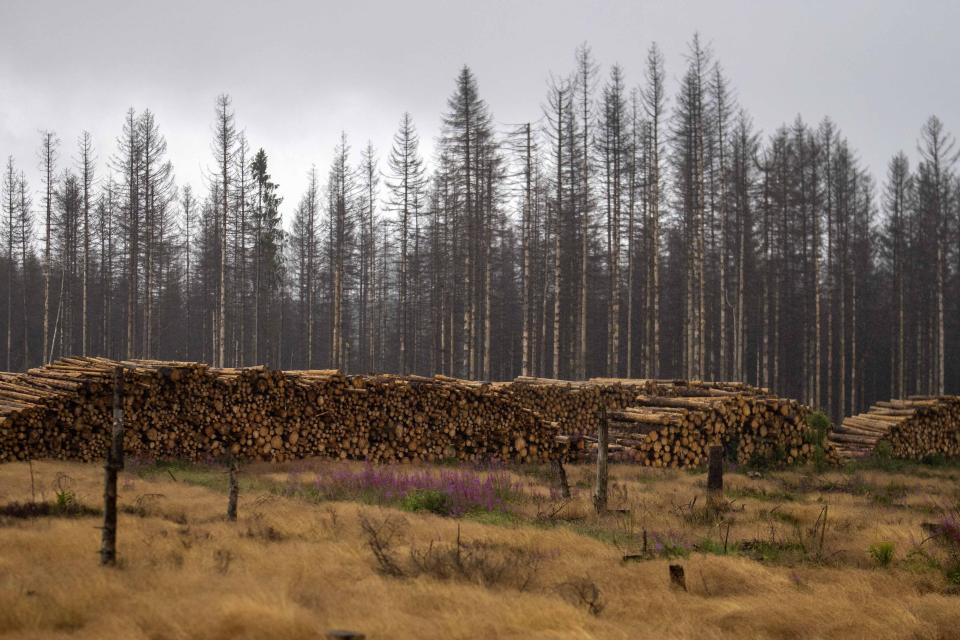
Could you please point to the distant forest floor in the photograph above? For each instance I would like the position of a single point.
(448, 552)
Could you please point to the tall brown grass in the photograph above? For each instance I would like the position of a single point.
(292, 567)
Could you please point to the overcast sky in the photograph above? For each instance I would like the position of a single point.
(300, 72)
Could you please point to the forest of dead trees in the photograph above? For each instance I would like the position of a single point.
(624, 231)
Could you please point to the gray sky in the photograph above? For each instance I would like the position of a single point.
(300, 72)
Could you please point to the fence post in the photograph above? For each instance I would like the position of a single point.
(234, 491)
(108, 544)
(715, 475)
(562, 478)
(600, 494)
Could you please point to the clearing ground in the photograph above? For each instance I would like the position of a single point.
(445, 552)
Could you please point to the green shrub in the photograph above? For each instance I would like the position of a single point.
(816, 435)
(716, 547)
(820, 462)
(883, 451)
(882, 553)
(774, 551)
(935, 460)
(427, 500)
(670, 549)
(952, 573)
(819, 424)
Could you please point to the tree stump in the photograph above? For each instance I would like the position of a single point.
(677, 579)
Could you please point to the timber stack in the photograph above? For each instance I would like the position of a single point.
(192, 411)
(915, 428)
(672, 423)
(677, 431)
(575, 405)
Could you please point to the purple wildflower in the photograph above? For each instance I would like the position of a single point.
(466, 490)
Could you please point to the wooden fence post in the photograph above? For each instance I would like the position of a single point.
(715, 475)
(108, 544)
(234, 491)
(600, 494)
(562, 478)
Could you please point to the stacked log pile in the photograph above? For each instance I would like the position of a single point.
(672, 423)
(189, 410)
(677, 431)
(679, 387)
(575, 406)
(915, 428)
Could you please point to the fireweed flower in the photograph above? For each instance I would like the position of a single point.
(466, 490)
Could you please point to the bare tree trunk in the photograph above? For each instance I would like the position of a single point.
(767, 272)
(700, 328)
(739, 332)
(557, 228)
(24, 247)
(631, 248)
(226, 137)
(148, 244)
(940, 331)
(556, 296)
(257, 270)
(487, 280)
(842, 328)
(831, 279)
(653, 104)
(87, 178)
(831, 299)
(525, 276)
(613, 357)
(11, 189)
(853, 343)
(724, 223)
(817, 295)
(900, 351)
(49, 144)
(585, 72)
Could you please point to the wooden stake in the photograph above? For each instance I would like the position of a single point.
(108, 545)
(823, 528)
(562, 478)
(715, 475)
(600, 494)
(33, 483)
(234, 492)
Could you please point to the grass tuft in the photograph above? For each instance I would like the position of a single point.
(883, 553)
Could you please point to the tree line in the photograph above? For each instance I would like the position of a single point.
(623, 232)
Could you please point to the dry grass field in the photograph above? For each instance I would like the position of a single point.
(859, 553)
